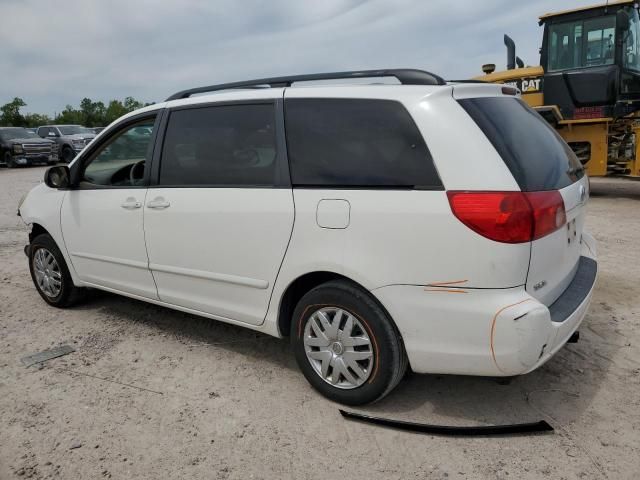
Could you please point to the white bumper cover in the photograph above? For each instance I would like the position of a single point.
(492, 332)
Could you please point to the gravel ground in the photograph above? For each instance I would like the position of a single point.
(153, 393)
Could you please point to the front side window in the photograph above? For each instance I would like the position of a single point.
(582, 43)
(356, 143)
(227, 145)
(122, 160)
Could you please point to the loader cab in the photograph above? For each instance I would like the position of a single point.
(591, 61)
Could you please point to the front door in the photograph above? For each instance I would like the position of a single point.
(218, 222)
(102, 217)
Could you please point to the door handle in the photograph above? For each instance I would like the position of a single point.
(131, 204)
(158, 203)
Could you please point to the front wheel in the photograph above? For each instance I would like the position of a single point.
(346, 345)
(8, 160)
(67, 154)
(50, 274)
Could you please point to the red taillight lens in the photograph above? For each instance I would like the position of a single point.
(548, 212)
(509, 217)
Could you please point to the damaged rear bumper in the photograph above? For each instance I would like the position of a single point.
(489, 332)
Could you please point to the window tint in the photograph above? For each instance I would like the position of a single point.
(536, 155)
(356, 143)
(222, 145)
(122, 160)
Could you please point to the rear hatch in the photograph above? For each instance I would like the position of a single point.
(549, 173)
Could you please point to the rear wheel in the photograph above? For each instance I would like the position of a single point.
(50, 274)
(346, 345)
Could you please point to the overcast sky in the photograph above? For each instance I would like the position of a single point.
(54, 53)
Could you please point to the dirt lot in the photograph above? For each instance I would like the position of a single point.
(153, 393)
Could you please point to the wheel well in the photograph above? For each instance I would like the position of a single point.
(36, 230)
(295, 291)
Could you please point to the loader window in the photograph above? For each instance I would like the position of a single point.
(583, 43)
(631, 42)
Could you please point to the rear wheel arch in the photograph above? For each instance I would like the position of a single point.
(307, 282)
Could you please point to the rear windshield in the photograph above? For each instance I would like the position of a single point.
(536, 155)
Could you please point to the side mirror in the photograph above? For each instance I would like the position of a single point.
(622, 20)
(57, 177)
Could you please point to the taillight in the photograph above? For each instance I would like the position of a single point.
(509, 217)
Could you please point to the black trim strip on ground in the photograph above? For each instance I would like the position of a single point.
(482, 430)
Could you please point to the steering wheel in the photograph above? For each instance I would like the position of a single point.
(247, 157)
(132, 172)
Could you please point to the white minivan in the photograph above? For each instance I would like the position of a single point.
(422, 223)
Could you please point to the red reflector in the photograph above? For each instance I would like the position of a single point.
(509, 217)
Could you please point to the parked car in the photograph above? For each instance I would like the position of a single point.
(97, 130)
(429, 224)
(19, 146)
(71, 139)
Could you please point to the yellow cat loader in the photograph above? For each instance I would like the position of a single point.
(588, 83)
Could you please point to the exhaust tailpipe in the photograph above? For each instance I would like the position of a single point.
(511, 52)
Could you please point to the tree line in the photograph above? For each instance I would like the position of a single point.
(89, 113)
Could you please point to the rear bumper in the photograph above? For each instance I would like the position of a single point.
(491, 332)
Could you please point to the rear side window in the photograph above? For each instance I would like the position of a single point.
(231, 145)
(536, 155)
(356, 143)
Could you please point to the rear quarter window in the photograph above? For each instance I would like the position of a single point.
(356, 143)
(538, 158)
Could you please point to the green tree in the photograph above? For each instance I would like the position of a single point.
(89, 113)
(115, 110)
(69, 116)
(11, 113)
(36, 119)
(93, 113)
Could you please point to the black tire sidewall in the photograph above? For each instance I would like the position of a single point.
(67, 154)
(384, 339)
(65, 295)
(8, 160)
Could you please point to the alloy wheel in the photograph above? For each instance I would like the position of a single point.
(47, 273)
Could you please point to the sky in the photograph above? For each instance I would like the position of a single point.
(62, 51)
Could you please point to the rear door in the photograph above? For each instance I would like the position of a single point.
(540, 161)
(218, 221)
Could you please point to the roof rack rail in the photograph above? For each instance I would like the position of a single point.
(405, 76)
(467, 81)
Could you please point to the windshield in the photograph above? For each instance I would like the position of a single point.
(11, 133)
(73, 130)
(582, 43)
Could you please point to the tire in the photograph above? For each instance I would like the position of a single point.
(67, 154)
(8, 160)
(66, 293)
(337, 307)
